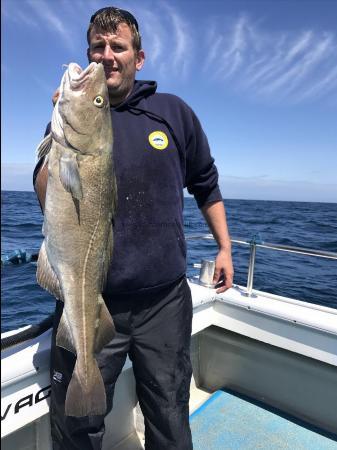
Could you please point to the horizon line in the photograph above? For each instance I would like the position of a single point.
(224, 199)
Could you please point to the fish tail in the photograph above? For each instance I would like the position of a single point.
(86, 397)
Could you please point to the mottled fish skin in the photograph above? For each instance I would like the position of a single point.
(79, 208)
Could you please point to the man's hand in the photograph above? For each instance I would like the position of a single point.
(215, 216)
(224, 272)
(55, 96)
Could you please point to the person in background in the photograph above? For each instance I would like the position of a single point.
(159, 149)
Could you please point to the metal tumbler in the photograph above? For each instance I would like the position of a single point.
(207, 273)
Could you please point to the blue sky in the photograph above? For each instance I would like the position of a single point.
(261, 76)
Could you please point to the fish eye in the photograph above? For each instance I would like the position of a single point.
(99, 101)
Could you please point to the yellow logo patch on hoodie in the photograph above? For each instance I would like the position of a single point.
(158, 140)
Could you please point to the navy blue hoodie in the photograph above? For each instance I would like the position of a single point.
(159, 148)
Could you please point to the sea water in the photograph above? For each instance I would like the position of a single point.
(307, 278)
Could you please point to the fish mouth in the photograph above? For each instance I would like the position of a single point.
(77, 76)
(75, 79)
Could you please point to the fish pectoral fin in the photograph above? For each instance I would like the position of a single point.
(44, 147)
(45, 275)
(64, 337)
(105, 330)
(70, 176)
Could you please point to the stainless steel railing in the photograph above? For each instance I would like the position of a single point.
(257, 242)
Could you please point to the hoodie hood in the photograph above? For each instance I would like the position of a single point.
(141, 89)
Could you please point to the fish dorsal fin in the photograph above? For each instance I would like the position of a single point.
(70, 176)
(45, 275)
(64, 337)
(105, 328)
(44, 147)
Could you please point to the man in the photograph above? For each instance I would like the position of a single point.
(159, 148)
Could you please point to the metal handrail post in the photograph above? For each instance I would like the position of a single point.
(251, 268)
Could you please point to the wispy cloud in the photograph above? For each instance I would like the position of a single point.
(238, 53)
(51, 19)
(155, 41)
(167, 39)
(294, 72)
(44, 16)
(286, 66)
(19, 17)
(327, 83)
(182, 47)
(231, 59)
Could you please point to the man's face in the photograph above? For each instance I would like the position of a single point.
(119, 58)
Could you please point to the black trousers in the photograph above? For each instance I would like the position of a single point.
(155, 331)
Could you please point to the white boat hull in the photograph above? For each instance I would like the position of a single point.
(294, 335)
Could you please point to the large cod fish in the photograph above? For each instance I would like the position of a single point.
(79, 207)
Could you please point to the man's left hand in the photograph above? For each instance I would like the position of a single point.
(224, 272)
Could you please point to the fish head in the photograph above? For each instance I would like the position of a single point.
(81, 118)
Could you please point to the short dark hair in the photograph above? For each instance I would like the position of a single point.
(108, 19)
